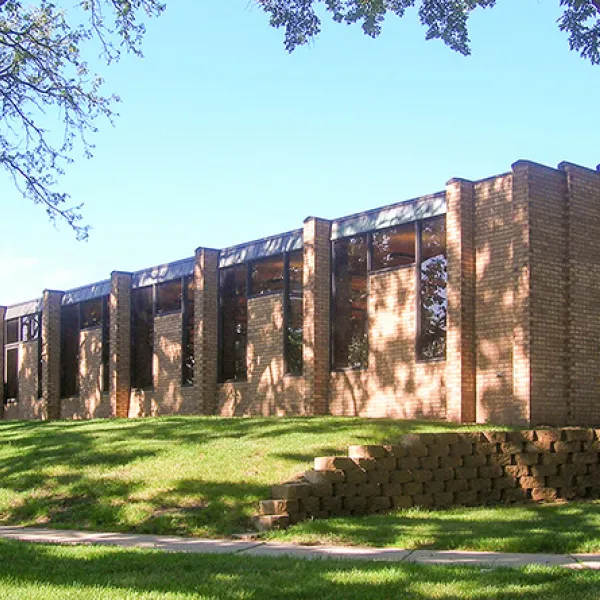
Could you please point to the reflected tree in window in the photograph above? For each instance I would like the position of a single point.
(433, 298)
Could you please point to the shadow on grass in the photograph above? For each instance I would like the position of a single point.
(109, 572)
(527, 528)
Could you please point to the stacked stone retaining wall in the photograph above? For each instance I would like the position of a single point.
(441, 470)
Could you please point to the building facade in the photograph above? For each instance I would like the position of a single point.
(477, 303)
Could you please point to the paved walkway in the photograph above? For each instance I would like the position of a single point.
(256, 548)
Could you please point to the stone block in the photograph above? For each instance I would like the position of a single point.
(517, 470)
(429, 462)
(500, 459)
(466, 473)
(544, 494)
(356, 476)
(555, 458)
(387, 463)
(560, 481)
(547, 436)
(456, 485)
(578, 434)
(333, 505)
(504, 483)
(367, 451)
(495, 437)
(378, 504)
(356, 504)
(451, 462)
(568, 446)
(397, 451)
(485, 448)
(424, 500)
(439, 450)
(530, 482)
(310, 505)
(321, 490)
(514, 495)
(446, 438)
(409, 462)
(369, 489)
(290, 491)
(391, 489)
(367, 464)
(443, 499)
(461, 449)
(411, 488)
(467, 498)
(585, 458)
(480, 485)
(378, 477)
(443, 474)
(527, 458)
(402, 476)
(476, 460)
(317, 477)
(511, 447)
(492, 496)
(277, 507)
(345, 489)
(402, 501)
(270, 522)
(434, 487)
(543, 470)
(332, 463)
(422, 475)
(491, 471)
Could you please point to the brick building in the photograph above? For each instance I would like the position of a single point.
(477, 303)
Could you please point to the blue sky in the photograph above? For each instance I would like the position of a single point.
(223, 137)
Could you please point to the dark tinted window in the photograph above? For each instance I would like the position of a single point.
(188, 334)
(267, 276)
(69, 350)
(393, 247)
(12, 331)
(434, 277)
(11, 374)
(105, 344)
(294, 334)
(350, 340)
(91, 313)
(234, 322)
(142, 332)
(30, 327)
(296, 264)
(168, 296)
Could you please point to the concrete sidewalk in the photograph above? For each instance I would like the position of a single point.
(256, 548)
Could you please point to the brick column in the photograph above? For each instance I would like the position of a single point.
(460, 340)
(120, 343)
(316, 305)
(51, 304)
(521, 289)
(583, 317)
(2, 314)
(206, 319)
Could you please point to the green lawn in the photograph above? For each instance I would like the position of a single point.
(204, 476)
(196, 476)
(554, 528)
(41, 572)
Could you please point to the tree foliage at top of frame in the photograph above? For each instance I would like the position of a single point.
(45, 80)
(446, 20)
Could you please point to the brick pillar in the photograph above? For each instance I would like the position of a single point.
(460, 340)
(316, 305)
(2, 314)
(51, 303)
(206, 294)
(120, 343)
(583, 320)
(521, 290)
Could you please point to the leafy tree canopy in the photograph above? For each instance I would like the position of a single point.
(446, 20)
(44, 79)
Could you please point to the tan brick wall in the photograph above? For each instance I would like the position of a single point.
(316, 310)
(28, 405)
(268, 391)
(91, 402)
(51, 303)
(460, 342)
(494, 301)
(168, 397)
(584, 287)
(119, 306)
(206, 319)
(394, 384)
(549, 296)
